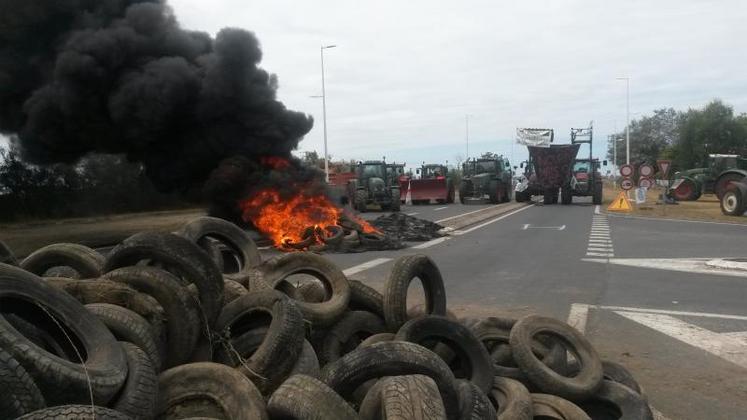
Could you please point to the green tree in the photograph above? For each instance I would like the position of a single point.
(651, 137)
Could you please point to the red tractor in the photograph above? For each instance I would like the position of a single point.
(434, 183)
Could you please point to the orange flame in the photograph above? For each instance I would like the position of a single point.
(287, 221)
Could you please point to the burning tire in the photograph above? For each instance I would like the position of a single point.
(86, 262)
(326, 313)
(553, 407)
(392, 358)
(228, 234)
(511, 399)
(61, 378)
(406, 269)
(179, 256)
(734, 199)
(304, 397)
(474, 358)
(269, 363)
(578, 387)
(212, 383)
(333, 235)
(181, 310)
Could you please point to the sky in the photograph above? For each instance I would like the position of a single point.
(405, 74)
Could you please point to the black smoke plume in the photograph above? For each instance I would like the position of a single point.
(121, 76)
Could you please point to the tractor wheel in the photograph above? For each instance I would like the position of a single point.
(734, 199)
(686, 191)
(555, 196)
(597, 198)
(395, 200)
(463, 192)
(566, 195)
(360, 201)
(520, 196)
(450, 194)
(506, 193)
(724, 182)
(547, 197)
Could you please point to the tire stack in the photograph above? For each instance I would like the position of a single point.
(194, 324)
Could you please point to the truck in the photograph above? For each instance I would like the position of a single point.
(434, 183)
(488, 178)
(584, 178)
(720, 171)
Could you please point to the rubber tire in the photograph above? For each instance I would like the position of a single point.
(403, 398)
(138, 395)
(581, 386)
(62, 381)
(460, 340)
(280, 348)
(473, 403)
(6, 255)
(84, 260)
(336, 236)
(307, 363)
(232, 290)
(463, 192)
(19, 395)
(614, 372)
(624, 399)
(352, 326)
(302, 397)
(75, 412)
(230, 235)
(181, 309)
(227, 387)
(128, 326)
(326, 313)
(181, 257)
(366, 298)
(360, 201)
(511, 399)
(547, 198)
(738, 192)
(554, 407)
(681, 196)
(395, 206)
(391, 358)
(720, 185)
(376, 338)
(405, 269)
(566, 195)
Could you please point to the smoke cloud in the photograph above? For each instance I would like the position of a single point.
(121, 76)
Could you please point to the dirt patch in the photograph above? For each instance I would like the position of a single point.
(706, 208)
(24, 238)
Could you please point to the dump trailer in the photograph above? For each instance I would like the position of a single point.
(486, 179)
(551, 166)
(434, 183)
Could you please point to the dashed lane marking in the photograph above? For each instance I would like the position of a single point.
(464, 214)
(440, 208)
(412, 213)
(365, 266)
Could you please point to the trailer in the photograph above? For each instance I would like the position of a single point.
(551, 167)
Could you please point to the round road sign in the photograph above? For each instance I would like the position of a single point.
(626, 170)
(645, 182)
(646, 170)
(626, 184)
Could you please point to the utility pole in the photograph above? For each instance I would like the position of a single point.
(324, 114)
(627, 118)
(466, 132)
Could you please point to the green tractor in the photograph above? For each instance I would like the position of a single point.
(486, 177)
(375, 183)
(721, 171)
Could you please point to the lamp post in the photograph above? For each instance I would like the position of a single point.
(466, 132)
(627, 118)
(324, 113)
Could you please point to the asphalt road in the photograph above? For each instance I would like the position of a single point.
(636, 287)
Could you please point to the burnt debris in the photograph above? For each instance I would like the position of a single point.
(407, 228)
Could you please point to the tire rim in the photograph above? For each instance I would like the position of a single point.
(684, 191)
(730, 202)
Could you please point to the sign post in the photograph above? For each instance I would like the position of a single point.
(664, 165)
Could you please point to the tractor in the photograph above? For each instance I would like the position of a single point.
(486, 177)
(376, 182)
(721, 171)
(434, 183)
(584, 178)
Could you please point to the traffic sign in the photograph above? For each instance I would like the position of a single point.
(645, 182)
(646, 170)
(620, 203)
(627, 170)
(664, 165)
(626, 184)
(640, 195)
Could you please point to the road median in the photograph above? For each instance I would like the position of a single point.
(464, 220)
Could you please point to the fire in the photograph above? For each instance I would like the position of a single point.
(292, 220)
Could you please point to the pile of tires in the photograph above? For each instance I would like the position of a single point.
(194, 324)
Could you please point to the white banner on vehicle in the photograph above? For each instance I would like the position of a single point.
(540, 137)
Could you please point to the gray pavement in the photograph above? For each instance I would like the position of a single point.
(683, 334)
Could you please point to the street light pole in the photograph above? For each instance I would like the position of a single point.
(324, 114)
(627, 118)
(466, 132)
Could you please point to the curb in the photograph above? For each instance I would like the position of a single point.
(728, 264)
(459, 222)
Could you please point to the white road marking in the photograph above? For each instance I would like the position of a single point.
(430, 243)
(600, 241)
(412, 214)
(596, 209)
(600, 249)
(689, 265)
(529, 226)
(679, 220)
(365, 266)
(599, 254)
(481, 225)
(577, 316)
(719, 345)
(464, 214)
(675, 313)
(440, 208)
